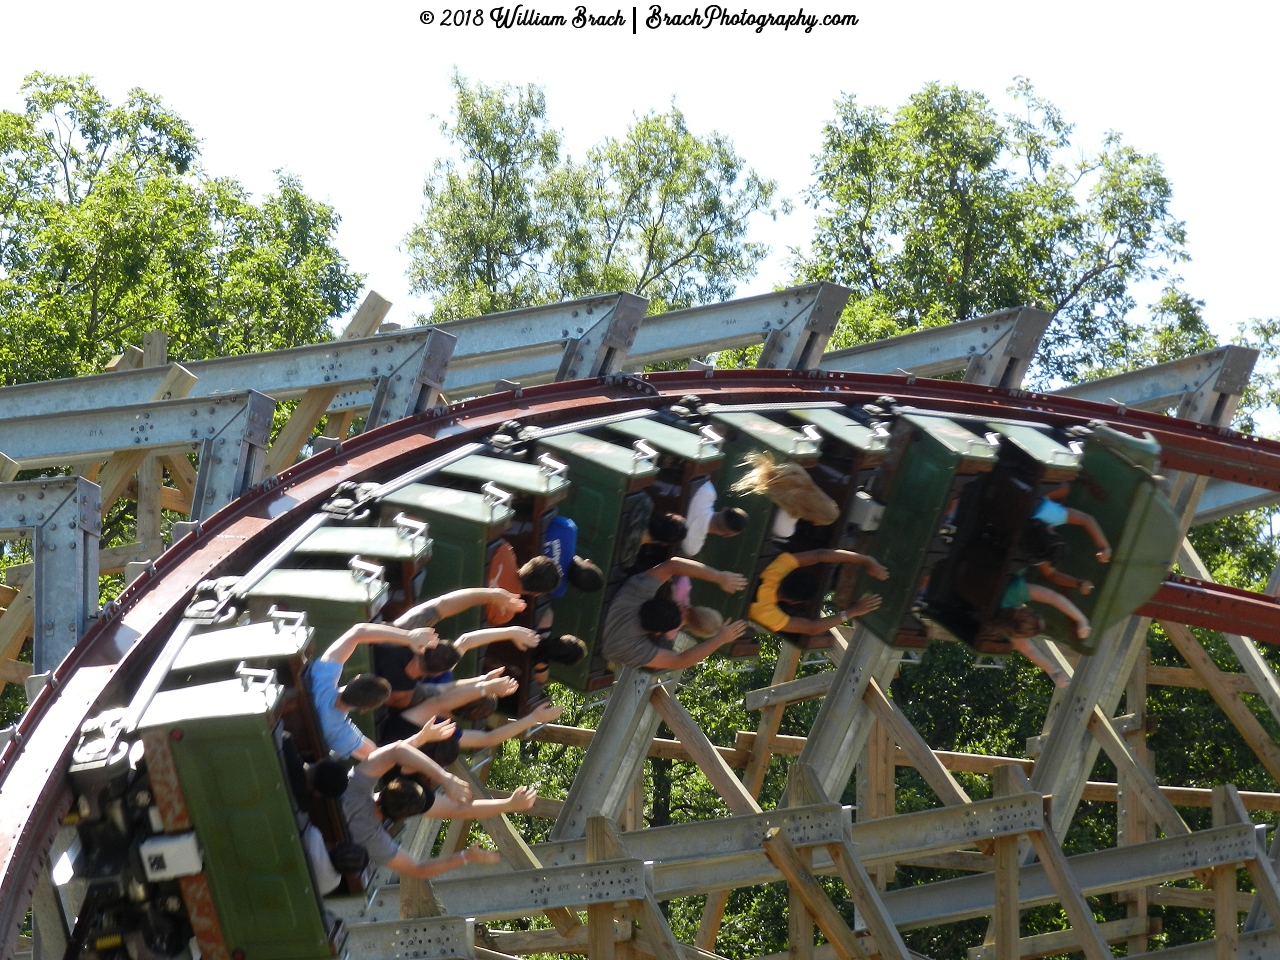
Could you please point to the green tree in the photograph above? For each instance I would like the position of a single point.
(511, 222)
(944, 211)
(108, 228)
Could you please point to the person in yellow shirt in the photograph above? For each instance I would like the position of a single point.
(788, 580)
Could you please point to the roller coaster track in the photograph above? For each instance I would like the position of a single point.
(114, 656)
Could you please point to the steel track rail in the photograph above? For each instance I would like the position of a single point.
(112, 658)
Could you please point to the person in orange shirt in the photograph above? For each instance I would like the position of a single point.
(788, 580)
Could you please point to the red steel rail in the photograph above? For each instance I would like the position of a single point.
(112, 657)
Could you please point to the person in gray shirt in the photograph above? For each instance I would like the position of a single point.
(404, 797)
(638, 619)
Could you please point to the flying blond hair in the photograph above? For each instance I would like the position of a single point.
(703, 622)
(789, 486)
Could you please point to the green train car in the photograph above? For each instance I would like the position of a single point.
(188, 833)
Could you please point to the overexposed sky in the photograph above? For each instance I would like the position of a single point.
(349, 97)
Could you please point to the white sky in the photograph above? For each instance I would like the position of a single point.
(343, 96)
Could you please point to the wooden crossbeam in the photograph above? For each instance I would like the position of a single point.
(937, 776)
(703, 752)
(1143, 780)
(1228, 808)
(787, 859)
(1237, 711)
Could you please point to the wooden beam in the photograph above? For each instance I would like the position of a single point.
(1186, 677)
(1229, 808)
(155, 353)
(115, 476)
(183, 473)
(17, 621)
(936, 775)
(8, 468)
(171, 498)
(14, 671)
(1058, 871)
(1196, 899)
(1237, 711)
(1004, 931)
(803, 788)
(602, 844)
(867, 899)
(791, 691)
(703, 752)
(785, 857)
(1064, 941)
(1142, 780)
(417, 896)
(368, 317)
(131, 359)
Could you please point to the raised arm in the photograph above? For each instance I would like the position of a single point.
(873, 566)
(669, 660)
(402, 863)
(521, 799)
(453, 603)
(342, 648)
(412, 760)
(1056, 576)
(726, 580)
(1079, 518)
(478, 739)
(1054, 599)
(522, 637)
(808, 627)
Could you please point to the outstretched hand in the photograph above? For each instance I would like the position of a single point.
(506, 605)
(524, 638)
(731, 632)
(877, 569)
(1082, 629)
(456, 789)
(547, 712)
(478, 854)
(421, 639)
(731, 582)
(434, 730)
(523, 798)
(869, 602)
(500, 687)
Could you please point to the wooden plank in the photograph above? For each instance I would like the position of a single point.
(703, 752)
(785, 857)
(1004, 931)
(298, 429)
(14, 671)
(867, 900)
(1186, 677)
(368, 317)
(1064, 941)
(937, 776)
(17, 621)
(1228, 700)
(791, 691)
(1226, 925)
(131, 359)
(1142, 780)
(171, 498)
(1133, 822)
(8, 594)
(8, 468)
(1196, 899)
(803, 788)
(183, 473)
(1073, 902)
(115, 476)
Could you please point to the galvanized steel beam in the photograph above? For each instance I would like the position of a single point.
(62, 516)
(1212, 374)
(793, 324)
(995, 349)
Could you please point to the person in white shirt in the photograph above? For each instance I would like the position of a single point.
(703, 519)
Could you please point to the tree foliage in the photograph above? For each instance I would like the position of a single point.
(944, 211)
(109, 228)
(511, 222)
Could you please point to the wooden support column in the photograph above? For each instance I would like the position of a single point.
(1226, 928)
(752, 780)
(877, 783)
(863, 893)
(1133, 823)
(417, 897)
(1073, 902)
(1142, 780)
(803, 789)
(602, 844)
(155, 353)
(1004, 930)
